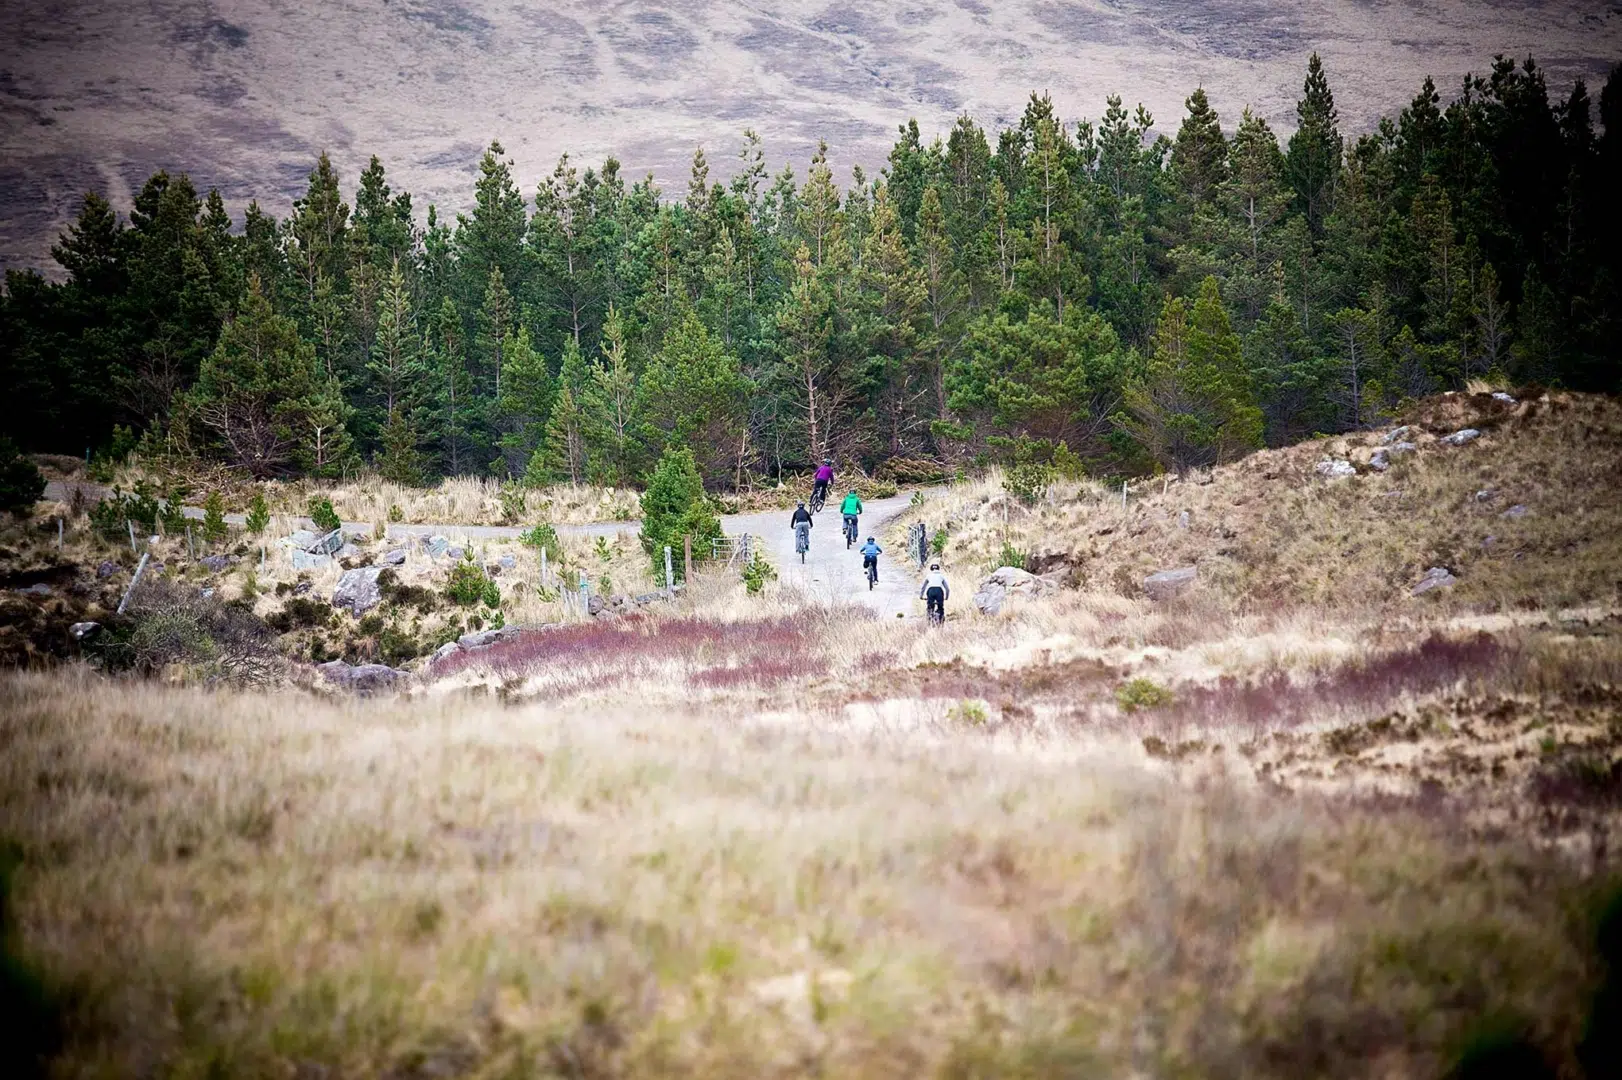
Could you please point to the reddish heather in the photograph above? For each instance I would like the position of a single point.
(723, 653)
(1368, 685)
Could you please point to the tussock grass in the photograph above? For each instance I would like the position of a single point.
(459, 500)
(258, 884)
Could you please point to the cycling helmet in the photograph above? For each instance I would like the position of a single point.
(802, 504)
(869, 539)
(935, 566)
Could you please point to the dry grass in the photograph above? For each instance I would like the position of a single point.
(273, 884)
(460, 500)
(1267, 533)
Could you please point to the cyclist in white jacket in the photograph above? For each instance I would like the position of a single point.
(935, 592)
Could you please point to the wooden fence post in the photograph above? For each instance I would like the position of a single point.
(687, 557)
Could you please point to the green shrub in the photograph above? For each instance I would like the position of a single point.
(937, 543)
(21, 482)
(674, 507)
(604, 552)
(544, 537)
(396, 515)
(469, 585)
(111, 516)
(1142, 694)
(172, 512)
(323, 515)
(756, 573)
(1028, 481)
(972, 713)
(258, 514)
(1012, 556)
(214, 528)
(514, 502)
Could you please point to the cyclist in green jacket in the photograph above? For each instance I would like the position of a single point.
(851, 507)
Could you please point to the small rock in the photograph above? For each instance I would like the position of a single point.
(450, 648)
(357, 590)
(1436, 577)
(1334, 468)
(480, 639)
(492, 569)
(1488, 541)
(1168, 583)
(302, 587)
(206, 593)
(1396, 434)
(508, 562)
(1183, 519)
(619, 600)
(436, 546)
(214, 564)
(348, 551)
(1486, 495)
(455, 552)
(363, 679)
(1507, 399)
(1459, 438)
(107, 569)
(595, 604)
(81, 630)
(1381, 460)
(37, 589)
(644, 599)
(1516, 511)
(397, 557)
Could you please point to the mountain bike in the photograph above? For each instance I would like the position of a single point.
(872, 572)
(819, 499)
(850, 530)
(802, 539)
(937, 610)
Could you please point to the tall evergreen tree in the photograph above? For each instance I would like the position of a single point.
(1314, 156)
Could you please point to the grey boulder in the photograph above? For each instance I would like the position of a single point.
(107, 569)
(1507, 399)
(363, 679)
(1516, 511)
(1459, 438)
(1436, 577)
(436, 546)
(397, 557)
(1380, 461)
(357, 590)
(1335, 468)
(481, 638)
(1004, 583)
(304, 560)
(1396, 434)
(450, 648)
(81, 630)
(215, 564)
(1168, 583)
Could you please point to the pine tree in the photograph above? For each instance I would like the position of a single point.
(399, 457)
(674, 510)
(317, 233)
(803, 329)
(456, 411)
(564, 453)
(892, 301)
(396, 366)
(609, 403)
(495, 329)
(326, 447)
(1195, 405)
(1315, 149)
(693, 394)
(491, 237)
(944, 297)
(527, 393)
(257, 391)
(1199, 157)
(214, 529)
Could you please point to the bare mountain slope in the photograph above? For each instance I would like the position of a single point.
(243, 93)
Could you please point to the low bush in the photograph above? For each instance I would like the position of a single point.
(1011, 556)
(1138, 694)
(21, 482)
(112, 516)
(756, 573)
(258, 514)
(400, 594)
(544, 537)
(214, 528)
(469, 585)
(172, 625)
(323, 515)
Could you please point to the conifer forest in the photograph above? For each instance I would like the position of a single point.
(1084, 292)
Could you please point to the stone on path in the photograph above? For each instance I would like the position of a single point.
(1168, 583)
(1436, 577)
(358, 590)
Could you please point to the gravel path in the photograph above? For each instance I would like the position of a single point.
(830, 572)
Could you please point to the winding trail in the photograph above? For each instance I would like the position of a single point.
(830, 572)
